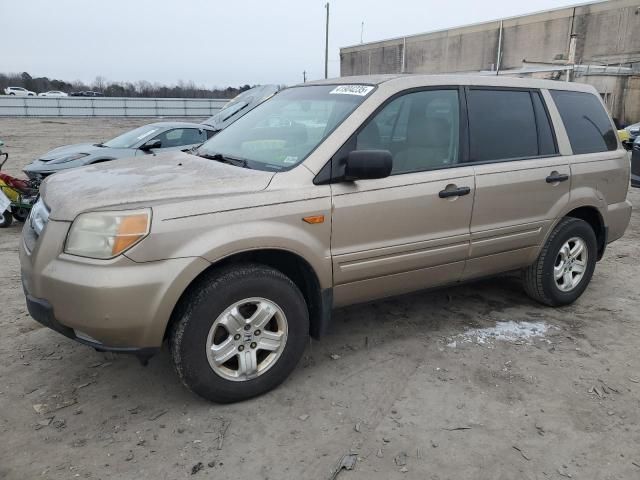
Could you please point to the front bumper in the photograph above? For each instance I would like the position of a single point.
(42, 312)
(115, 305)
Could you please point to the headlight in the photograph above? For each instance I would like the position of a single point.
(106, 235)
(70, 158)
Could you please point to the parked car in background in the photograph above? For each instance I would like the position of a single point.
(635, 163)
(53, 93)
(241, 105)
(19, 92)
(625, 139)
(634, 131)
(142, 141)
(328, 194)
(136, 142)
(87, 93)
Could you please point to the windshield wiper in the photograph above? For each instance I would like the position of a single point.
(238, 162)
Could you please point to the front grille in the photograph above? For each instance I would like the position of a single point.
(38, 218)
(29, 236)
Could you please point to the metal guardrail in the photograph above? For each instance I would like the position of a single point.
(14, 106)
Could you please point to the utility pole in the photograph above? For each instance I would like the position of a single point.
(361, 31)
(326, 45)
(304, 76)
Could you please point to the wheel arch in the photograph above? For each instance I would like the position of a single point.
(298, 269)
(593, 217)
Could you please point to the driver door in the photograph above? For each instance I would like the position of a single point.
(408, 231)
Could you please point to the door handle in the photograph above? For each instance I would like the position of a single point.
(557, 177)
(454, 192)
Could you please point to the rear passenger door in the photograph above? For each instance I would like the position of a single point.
(522, 183)
(410, 230)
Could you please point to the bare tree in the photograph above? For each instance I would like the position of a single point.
(100, 83)
(142, 88)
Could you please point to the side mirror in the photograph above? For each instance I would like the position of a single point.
(150, 145)
(368, 165)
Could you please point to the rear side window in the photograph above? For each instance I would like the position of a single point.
(586, 122)
(507, 124)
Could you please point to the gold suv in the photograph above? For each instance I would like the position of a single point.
(328, 194)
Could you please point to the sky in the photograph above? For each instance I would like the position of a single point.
(216, 43)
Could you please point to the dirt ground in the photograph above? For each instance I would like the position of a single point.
(406, 385)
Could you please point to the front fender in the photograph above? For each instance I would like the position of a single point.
(217, 236)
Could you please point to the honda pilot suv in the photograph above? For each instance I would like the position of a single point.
(329, 194)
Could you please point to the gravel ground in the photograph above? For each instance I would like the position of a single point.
(415, 387)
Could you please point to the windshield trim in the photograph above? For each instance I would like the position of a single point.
(263, 166)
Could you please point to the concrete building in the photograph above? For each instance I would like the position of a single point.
(596, 43)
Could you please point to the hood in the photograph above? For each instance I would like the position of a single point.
(61, 153)
(136, 182)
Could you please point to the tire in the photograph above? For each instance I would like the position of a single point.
(5, 219)
(194, 332)
(21, 215)
(554, 279)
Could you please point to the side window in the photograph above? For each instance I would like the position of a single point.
(586, 122)
(181, 136)
(420, 129)
(502, 125)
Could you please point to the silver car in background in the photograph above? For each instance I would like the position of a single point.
(145, 140)
(149, 139)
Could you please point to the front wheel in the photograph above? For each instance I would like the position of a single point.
(21, 214)
(239, 333)
(5, 219)
(565, 265)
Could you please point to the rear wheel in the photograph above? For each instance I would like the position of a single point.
(239, 333)
(565, 265)
(5, 219)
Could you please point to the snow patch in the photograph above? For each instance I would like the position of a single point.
(506, 331)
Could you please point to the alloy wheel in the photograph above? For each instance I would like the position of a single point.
(247, 339)
(571, 264)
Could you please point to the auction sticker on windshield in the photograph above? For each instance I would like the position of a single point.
(360, 90)
(4, 202)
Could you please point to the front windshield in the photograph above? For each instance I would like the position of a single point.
(283, 131)
(132, 138)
